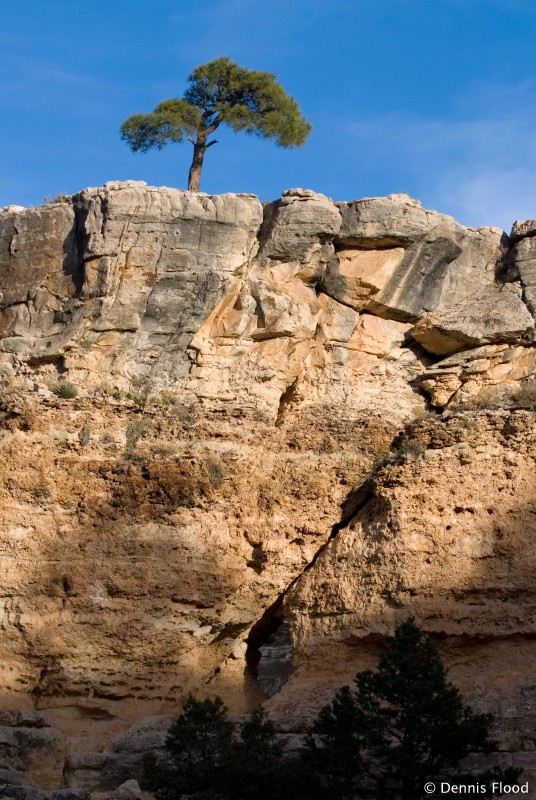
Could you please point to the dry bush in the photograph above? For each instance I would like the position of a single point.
(525, 396)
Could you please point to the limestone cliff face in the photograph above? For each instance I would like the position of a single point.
(247, 495)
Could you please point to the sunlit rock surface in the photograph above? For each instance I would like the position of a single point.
(247, 493)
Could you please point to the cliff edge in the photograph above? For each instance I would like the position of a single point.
(289, 428)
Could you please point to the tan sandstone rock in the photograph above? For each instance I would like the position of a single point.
(202, 517)
(443, 262)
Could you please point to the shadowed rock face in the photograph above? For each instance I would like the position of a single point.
(210, 513)
(30, 750)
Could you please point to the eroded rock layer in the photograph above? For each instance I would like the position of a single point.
(248, 492)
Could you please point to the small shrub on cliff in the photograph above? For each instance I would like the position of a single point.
(525, 396)
(171, 401)
(215, 473)
(489, 397)
(65, 390)
(60, 197)
(411, 448)
(137, 428)
(84, 435)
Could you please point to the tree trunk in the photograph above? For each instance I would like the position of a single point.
(194, 176)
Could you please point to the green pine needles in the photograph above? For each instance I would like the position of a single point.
(399, 728)
(206, 762)
(219, 93)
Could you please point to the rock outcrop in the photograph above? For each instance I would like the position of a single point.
(497, 314)
(246, 493)
(30, 750)
(423, 261)
(126, 277)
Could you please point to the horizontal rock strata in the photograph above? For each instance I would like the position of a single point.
(218, 474)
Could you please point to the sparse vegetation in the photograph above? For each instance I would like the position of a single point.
(138, 399)
(163, 451)
(84, 435)
(411, 448)
(408, 447)
(525, 396)
(502, 397)
(489, 397)
(137, 428)
(65, 390)
(170, 400)
(215, 472)
(13, 388)
(51, 200)
(142, 387)
(402, 725)
(184, 413)
(422, 413)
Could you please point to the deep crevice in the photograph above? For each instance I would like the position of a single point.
(285, 400)
(272, 619)
(269, 623)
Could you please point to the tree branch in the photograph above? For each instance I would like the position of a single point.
(213, 125)
(209, 144)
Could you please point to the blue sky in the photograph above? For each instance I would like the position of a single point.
(432, 97)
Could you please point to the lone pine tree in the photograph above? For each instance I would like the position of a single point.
(219, 93)
(401, 726)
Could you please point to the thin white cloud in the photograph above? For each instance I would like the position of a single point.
(481, 169)
(491, 196)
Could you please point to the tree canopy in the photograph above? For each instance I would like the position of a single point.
(402, 726)
(205, 762)
(219, 93)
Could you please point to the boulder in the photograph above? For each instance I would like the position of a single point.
(11, 718)
(421, 261)
(385, 221)
(30, 793)
(356, 276)
(522, 229)
(129, 790)
(488, 373)
(298, 226)
(37, 754)
(497, 314)
(124, 754)
(522, 263)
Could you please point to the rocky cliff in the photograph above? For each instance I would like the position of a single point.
(294, 426)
